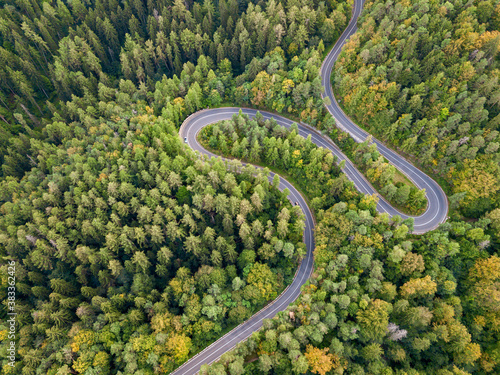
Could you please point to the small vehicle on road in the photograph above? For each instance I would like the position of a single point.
(296, 203)
(185, 139)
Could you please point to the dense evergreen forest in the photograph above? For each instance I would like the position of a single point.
(312, 169)
(58, 52)
(132, 254)
(143, 243)
(384, 302)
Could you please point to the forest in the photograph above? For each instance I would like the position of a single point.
(385, 302)
(393, 185)
(312, 169)
(132, 254)
(427, 74)
(143, 243)
(55, 52)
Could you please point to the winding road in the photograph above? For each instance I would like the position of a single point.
(437, 202)
(435, 213)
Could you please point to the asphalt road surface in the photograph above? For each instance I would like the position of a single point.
(435, 213)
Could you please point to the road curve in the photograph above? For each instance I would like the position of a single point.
(189, 130)
(437, 207)
(435, 214)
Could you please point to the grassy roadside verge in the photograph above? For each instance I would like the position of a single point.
(348, 146)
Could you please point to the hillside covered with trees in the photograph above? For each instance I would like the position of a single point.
(135, 253)
(55, 51)
(132, 254)
(384, 302)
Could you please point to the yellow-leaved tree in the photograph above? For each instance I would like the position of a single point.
(320, 361)
(484, 278)
(421, 287)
